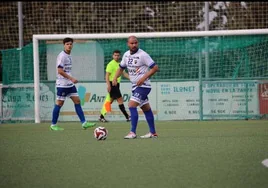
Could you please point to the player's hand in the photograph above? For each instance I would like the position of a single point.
(114, 83)
(74, 80)
(141, 81)
(108, 88)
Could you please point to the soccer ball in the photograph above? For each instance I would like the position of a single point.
(100, 133)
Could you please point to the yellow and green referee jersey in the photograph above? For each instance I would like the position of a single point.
(112, 68)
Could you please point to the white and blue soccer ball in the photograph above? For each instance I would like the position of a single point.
(100, 133)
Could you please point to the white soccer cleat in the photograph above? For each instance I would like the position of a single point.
(149, 135)
(130, 135)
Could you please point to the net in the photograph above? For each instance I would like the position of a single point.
(125, 16)
(232, 57)
(228, 58)
(218, 59)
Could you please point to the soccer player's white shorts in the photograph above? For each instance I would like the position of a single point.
(63, 93)
(140, 95)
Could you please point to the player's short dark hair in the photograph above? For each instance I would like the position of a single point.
(68, 40)
(116, 52)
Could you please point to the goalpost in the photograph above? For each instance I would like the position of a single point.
(171, 38)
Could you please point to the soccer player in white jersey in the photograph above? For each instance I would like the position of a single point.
(66, 88)
(140, 68)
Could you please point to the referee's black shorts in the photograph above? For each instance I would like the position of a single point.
(115, 92)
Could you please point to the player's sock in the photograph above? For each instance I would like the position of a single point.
(55, 114)
(150, 120)
(134, 118)
(80, 112)
(123, 110)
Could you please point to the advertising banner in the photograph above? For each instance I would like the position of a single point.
(92, 96)
(263, 98)
(168, 100)
(221, 100)
(178, 100)
(230, 99)
(18, 102)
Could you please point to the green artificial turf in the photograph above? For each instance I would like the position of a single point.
(187, 154)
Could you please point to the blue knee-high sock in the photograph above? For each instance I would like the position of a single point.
(80, 112)
(134, 118)
(55, 114)
(150, 120)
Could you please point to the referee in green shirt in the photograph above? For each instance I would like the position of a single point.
(114, 92)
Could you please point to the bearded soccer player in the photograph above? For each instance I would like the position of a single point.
(140, 68)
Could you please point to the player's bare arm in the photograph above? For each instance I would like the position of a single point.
(107, 75)
(125, 74)
(65, 75)
(117, 74)
(147, 75)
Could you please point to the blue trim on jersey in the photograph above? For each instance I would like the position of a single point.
(60, 66)
(66, 52)
(135, 85)
(152, 65)
(122, 67)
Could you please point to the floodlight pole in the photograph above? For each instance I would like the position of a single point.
(20, 20)
(206, 39)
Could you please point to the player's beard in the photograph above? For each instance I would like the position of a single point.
(134, 50)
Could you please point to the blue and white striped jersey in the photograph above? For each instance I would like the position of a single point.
(137, 65)
(64, 61)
